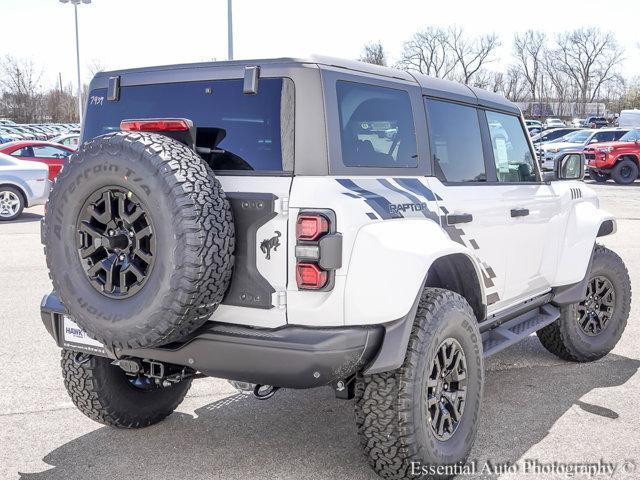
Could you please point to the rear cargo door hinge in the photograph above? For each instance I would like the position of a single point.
(282, 206)
(280, 299)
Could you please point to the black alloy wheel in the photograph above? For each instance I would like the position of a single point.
(446, 389)
(595, 311)
(115, 242)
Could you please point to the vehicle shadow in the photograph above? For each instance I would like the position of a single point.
(27, 217)
(310, 434)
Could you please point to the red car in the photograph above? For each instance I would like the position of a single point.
(618, 160)
(53, 154)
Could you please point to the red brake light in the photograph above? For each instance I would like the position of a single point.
(310, 227)
(155, 125)
(310, 276)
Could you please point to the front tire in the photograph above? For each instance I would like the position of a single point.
(414, 418)
(599, 177)
(104, 393)
(589, 330)
(625, 172)
(11, 203)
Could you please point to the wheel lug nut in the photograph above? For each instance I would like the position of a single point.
(131, 233)
(121, 257)
(111, 233)
(446, 386)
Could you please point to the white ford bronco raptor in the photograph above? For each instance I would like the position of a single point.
(297, 223)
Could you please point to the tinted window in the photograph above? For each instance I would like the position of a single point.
(50, 152)
(511, 152)
(376, 126)
(245, 132)
(456, 142)
(631, 136)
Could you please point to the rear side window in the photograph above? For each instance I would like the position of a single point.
(244, 132)
(376, 126)
(511, 152)
(456, 142)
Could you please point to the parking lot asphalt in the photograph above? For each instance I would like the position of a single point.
(536, 407)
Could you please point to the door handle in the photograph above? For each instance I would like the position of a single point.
(519, 212)
(459, 218)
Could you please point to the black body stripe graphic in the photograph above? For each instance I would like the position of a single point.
(416, 186)
(379, 204)
(426, 212)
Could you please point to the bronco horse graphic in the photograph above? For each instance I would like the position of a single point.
(268, 243)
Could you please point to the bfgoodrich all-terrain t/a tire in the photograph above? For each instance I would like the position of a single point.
(425, 413)
(139, 239)
(104, 393)
(588, 330)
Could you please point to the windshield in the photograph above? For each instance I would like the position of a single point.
(580, 136)
(631, 136)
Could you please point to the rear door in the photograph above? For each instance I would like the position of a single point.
(472, 211)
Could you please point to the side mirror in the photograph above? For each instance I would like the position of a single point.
(569, 166)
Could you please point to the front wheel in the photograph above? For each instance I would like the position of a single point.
(104, 393)
(589, 330)
(11, 203)
(425, 413)
(625, 172)
(599, 177)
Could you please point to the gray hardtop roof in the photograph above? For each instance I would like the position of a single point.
(433, 87)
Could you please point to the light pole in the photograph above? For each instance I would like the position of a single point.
(75, 8)
(229, 30)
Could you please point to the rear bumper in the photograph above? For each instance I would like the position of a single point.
(291, 356)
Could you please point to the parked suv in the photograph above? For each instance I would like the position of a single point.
(576, 141)
(302, 223)
(595, 122)
(618, 160)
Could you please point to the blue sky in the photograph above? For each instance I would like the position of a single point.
(127, 33)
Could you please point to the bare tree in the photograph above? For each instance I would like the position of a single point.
(529, 50)
(471, 54)
(589, 58)
(95, 66)
(374, 53)
(20, 82)
(428, 52)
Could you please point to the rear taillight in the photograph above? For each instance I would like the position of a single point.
(310, 276)
(311, 227)
(318, 250)
(155, 125)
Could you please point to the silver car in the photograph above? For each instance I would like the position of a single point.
(22, 184)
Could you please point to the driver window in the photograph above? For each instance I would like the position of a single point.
(376, 126)
(511, 152)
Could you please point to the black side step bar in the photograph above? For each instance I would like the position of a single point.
(514, 330)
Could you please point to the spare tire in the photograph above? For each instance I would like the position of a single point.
(139, 239)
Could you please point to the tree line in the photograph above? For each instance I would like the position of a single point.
(577, 67)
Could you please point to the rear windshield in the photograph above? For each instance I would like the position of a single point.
(243, 132)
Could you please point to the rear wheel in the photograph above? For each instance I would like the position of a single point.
(625, 172)
(139, 239)
(104, 393)
(599, 177)
(425, 413)
(11, 203)
(588, 330)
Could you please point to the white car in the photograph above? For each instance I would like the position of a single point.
(293, 246)
(70, 140)
(553, 123)
(22, 184)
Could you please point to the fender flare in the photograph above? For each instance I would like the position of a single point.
(388, 266)
(585, 223)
